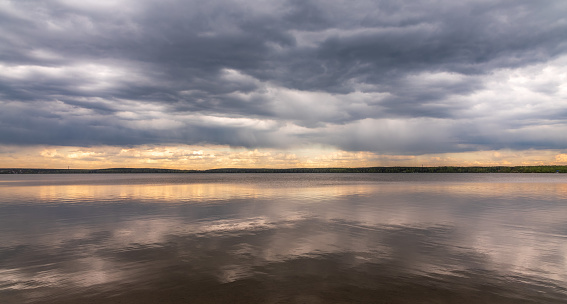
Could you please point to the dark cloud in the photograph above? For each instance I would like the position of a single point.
(325, 67)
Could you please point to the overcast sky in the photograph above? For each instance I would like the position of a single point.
(383, 77)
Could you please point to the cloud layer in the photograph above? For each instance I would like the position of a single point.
(389, 77)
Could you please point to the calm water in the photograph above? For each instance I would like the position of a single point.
(283, 238)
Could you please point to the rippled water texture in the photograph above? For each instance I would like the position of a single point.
(283, 238)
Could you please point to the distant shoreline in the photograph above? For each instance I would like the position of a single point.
(444, 169)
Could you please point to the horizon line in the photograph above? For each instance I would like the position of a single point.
(379, 169)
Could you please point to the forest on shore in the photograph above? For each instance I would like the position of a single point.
(445, 169)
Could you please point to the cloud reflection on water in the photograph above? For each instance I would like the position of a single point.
(451, 236)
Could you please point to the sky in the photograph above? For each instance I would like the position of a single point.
(212, 84)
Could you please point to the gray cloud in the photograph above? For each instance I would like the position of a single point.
(145, 72)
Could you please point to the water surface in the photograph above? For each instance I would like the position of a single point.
(283, 238)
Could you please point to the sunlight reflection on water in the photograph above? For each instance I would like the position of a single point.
(397, 238)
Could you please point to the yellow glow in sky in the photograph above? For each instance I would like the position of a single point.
(209, 157)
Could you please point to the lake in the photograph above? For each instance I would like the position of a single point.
(283, 238)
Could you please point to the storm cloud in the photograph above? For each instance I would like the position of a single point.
(391, 77)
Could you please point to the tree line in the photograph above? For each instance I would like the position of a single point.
(444, 169)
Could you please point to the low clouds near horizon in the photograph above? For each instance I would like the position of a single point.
(386, 77)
